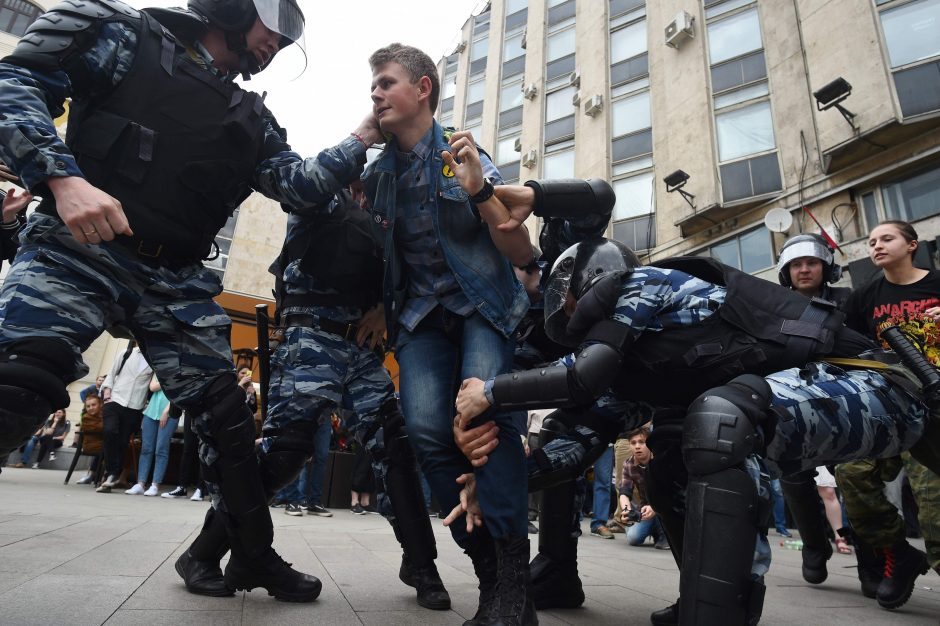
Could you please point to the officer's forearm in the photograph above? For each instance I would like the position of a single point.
(572, 197)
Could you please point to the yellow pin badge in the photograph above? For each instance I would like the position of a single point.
(447, 172)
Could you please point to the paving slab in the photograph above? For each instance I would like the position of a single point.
(109, 558)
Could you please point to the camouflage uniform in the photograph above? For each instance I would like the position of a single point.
(70, 292)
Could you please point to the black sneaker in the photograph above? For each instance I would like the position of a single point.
(317, 509)
(294, 509)
(179, 492)
(357, 509)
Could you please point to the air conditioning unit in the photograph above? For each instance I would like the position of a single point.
(574, 78)
(525, 35)
(530, 91)
(517, 144)
(593, 105)
(576, 98)
(460, 47)
(529, 158)
(680, 29)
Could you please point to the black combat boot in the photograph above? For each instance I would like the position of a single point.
(871, 567)
(482, 552)
(903, 564)
(514, 605)
(272, 573)
(199, 565)
(666, 617)
(554, 570)
(427, 582)
(799, 490)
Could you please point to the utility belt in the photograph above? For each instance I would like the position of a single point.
(157, 254)
(343, 329)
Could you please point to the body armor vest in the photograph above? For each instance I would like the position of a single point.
(761, 328)
(175, 144)
(340, 252)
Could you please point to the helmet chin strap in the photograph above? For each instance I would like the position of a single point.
(247, 63)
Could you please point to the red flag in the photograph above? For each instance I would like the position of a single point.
(822, 231)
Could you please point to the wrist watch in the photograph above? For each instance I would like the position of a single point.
(484, 194)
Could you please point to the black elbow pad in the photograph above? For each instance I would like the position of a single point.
(572, 197)
(595, 369)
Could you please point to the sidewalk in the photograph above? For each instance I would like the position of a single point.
(69, 556)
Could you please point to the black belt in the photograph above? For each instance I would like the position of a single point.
(346, 331)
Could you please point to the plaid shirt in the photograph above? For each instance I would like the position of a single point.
(430, 280)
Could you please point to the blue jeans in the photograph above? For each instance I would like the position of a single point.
(28, 449)
(321, 452)
(603, 473)
(780, 514)
(154, 442)
(295, 492)
(443, 350)
(638, 533)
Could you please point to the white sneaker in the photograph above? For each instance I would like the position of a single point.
(110, 481)
(197, 496)
(136, 490)
(87, 479)
(35, 465)
(152, 491)
(52, 456)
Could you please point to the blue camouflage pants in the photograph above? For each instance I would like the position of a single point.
(60, 289)
(313, 373)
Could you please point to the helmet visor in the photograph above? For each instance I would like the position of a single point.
(554, 297)
(806, 248)
(283, 17)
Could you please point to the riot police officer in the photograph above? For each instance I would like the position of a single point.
(161, 147)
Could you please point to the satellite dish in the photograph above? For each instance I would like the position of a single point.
(778, 220)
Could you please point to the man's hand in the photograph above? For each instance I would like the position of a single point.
(371, 327)
(91, 215)
(469, 504)
(245, 383)
(13, 203)
(519, 200)
(476, 443)
(471, 401)
(464, 159)
(647, 513)
(369, 131)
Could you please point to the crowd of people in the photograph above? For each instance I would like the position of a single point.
(686, 382)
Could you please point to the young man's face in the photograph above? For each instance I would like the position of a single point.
(641, 453)
(99, 381)
(396, 101)
(806, 274)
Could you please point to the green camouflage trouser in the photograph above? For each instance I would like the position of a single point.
(874, 519)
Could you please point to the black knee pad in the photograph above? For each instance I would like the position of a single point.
(288, 450)
(22, 412)
(41, 365)
(228, 419)
(723, 425)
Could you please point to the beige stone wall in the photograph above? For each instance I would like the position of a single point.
(259, 234)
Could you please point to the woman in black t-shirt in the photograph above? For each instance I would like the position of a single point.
(905, 296)
(908, 297)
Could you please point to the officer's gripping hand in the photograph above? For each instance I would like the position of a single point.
(468, 505)
(519, 200)
(471, 401)
(91, 215)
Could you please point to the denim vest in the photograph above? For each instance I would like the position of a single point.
(484, 274)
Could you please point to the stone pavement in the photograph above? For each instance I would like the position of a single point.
(69, 556)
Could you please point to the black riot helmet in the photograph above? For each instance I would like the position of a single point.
(577, 270)
(807, 245)
(236, 17)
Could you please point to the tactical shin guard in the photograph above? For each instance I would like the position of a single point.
(720, 534)
(403, 486)
(666, 481)
(280, 464)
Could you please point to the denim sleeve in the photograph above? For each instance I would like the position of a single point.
(307, 186)
(30, 100)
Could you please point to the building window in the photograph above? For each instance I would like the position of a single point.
(914, 197)
(747, 147)
(507, 158)
(638, 233)
(513, 55)
(560, 13)
(558, 165)
(17, 15)
(559, 57)
(517, 14)
(749, 252)
(620, 8)
(478, 52)
(559, 115)
(628, 53)
(224, 241)
(911, 33)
